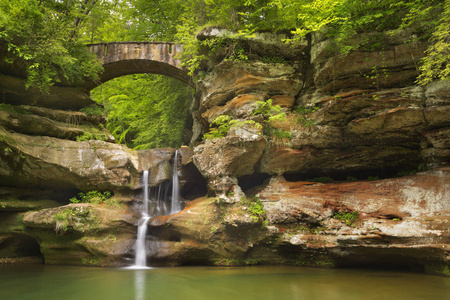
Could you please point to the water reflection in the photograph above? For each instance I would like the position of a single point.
(139, 284)
(205, 283)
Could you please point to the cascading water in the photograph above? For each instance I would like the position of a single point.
(175, 187)
(141, 253)
(156, 202)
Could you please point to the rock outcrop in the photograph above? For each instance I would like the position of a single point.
(348, 117)
(83, 234)
(401, 222)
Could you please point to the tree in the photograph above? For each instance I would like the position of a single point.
(144, 110)
(42, 37)
(435, 65)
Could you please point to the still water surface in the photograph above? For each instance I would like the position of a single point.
(186, 283)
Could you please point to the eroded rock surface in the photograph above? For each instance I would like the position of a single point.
(83, 234)
(398, 222)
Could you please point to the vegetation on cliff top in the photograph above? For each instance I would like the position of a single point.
(48, 36)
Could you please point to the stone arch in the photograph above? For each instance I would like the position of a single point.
(124, 58)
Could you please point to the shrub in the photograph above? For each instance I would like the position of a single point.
(94, 197)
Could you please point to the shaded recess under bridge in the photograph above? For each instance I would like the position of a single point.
(124, 58)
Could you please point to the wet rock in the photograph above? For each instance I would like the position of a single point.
(157, 162)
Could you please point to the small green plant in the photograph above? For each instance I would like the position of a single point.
(278, 133)
(62, 220)
(272, 113)
(236, 53)
(255, 208)
(230, 193)
(93, 110)
(322, 179)
(222, 124)
(94, 197)
(7, 107)
(302, 119)
(5, 138)
(373, 178)
(302, 110)
(213, 229)
(274, 60)
(422, 167)
(351, 179)
(269, 111)
(349, 217)
(92, 134)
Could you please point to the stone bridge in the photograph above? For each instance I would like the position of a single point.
(123, 58)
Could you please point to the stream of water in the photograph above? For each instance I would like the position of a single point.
(175, 187)
(219, 283)
(152, 207)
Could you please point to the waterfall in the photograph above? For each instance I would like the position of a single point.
(140, 252)
(146, 199)
(155, 203)
(175, 187)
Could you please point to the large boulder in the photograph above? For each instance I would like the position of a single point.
(45, 162)
(83, 234)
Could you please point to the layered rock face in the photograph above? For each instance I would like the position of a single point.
(348, 118)
(323, 186)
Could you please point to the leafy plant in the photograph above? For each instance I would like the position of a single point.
(94, 197)
(349, 217)
(274, 60)
(92, 134)
(222, 124)
(237, 54)
(435, 65)
(267, 110)
(302, 117)
(272, 113)
(351, 179)
(255, 208)
(278, 133)
(93, 110)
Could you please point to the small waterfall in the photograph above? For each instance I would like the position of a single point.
(175, 187)
(141, 253)
(156, 202)
(146, 199)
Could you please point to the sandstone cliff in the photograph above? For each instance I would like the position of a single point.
(324, 186)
